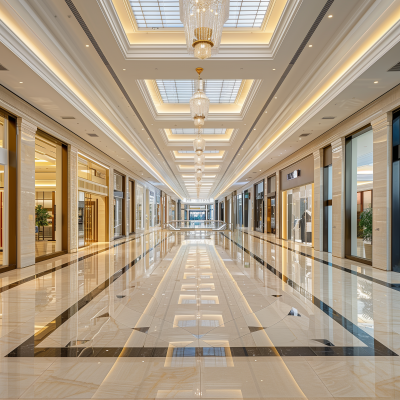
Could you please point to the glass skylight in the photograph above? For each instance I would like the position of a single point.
(165, 13)
(180, 91)
(193, 131)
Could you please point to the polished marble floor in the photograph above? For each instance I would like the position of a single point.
(199, 315)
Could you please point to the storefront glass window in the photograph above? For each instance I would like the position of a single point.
(271, 204)
(239, 209)
(118, 204)
(139, 207)
(298, 212)
(259, 207)
(152, 215)
(158, 210)
(3, 196)
(92, 207)
(48, 196)
(359, 183)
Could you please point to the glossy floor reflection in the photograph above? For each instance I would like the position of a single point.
(192, 315)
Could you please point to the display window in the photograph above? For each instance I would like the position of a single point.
(92, 202)
(140, 207)
(297, 214)
(359, 185)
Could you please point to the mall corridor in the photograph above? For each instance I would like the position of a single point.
(200, 199)
(211, 315)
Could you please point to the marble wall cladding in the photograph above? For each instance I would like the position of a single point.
(318, 200)
(26, 193)
(127, 206)
(382, 136)
(111, 203)
(338, 169)
(72, 199)
(277, 204)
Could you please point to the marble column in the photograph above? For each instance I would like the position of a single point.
(73, 199)
(277, 204)
(318, 212)
(111, 204)
(26, 193)
(127, 206)
(381, 200)
(338, 198)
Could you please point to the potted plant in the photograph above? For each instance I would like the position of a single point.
(365, 225)
(42, 216)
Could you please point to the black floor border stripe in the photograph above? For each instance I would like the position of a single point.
(29, 345)
(363, 336)
(165, 352)
(67, 264)
(394, 286)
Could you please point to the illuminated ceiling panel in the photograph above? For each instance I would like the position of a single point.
(192, 151)
(217, 90)
(193, 131)
(165, 13)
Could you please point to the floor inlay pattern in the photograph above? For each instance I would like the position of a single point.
(188, 316)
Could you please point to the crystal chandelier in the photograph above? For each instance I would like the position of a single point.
(199, 159)
(199, 102)
(203, 21)
(199, 175)
(199, 167)
(199, 145)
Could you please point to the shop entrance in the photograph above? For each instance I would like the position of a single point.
(91, 218)
(259, 207)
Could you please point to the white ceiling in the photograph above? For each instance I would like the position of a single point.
(44, 46)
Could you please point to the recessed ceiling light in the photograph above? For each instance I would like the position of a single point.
(260, 170)
(87, 45)
(310, 45)
(330, 16)
(21, 82)
(123, 69)
(276, 97)
(254, 129)
(273, 69)
(374, 82)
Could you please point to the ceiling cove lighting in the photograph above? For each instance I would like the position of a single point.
(203, 21)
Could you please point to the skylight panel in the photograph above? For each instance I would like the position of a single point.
(193, 131)
(165, 13)
(246, 13)
(156, 13)
(180, 91)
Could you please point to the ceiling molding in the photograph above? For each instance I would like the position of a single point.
(173, 116)
(190, 138)
(179, 51)
(381, 46)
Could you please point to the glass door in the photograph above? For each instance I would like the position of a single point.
(259, 207)
(246, 209)
(271, 215)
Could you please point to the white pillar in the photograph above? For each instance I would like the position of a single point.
(26, 193)
(381, 193)
(338, 198)
(318, 200)
(73, 199)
